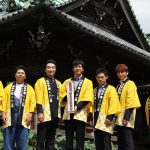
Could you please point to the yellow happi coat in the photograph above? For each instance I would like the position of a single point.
(147, 111)
(42, 97)
(1, 96)
(128, 99)
(29, 105)
(110, 105)
(86, 94)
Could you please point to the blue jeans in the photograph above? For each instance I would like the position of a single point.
(15, 135)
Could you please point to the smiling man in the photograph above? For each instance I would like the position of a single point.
(18, 106)
(79, 94)
(47, 91)
(129, 101)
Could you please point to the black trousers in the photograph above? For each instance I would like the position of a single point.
(125, 138)
(102, 140)
(148, 132)
(78, 127)
(46, 135)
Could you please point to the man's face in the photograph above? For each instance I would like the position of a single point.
(50, 69)
(122, 75)
(78, 69)
(20, 76)
(101, 78)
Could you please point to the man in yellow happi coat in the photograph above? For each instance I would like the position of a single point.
(1, 96)
(17, 110)
(47, 91)
(106, 106)
(147, 111)
(129, 101)
(79, 91)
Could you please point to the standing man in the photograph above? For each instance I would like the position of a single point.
(1, 96)
(79, 92)
(147, 112)
(47, 91)
(106, 106)
(18, 107)
(129, 101)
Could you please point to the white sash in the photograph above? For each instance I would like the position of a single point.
(70, 96)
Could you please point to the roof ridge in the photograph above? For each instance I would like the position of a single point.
(27, 3)
(59, 3)
(21, 6)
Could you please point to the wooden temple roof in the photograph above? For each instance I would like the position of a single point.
(64, 16)
(25, 6)
(90, 29)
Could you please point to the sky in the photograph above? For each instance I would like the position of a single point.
(142, 11)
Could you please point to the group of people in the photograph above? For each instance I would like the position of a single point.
(106, 107)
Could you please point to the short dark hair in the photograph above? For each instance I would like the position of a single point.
(50, 61)
(102, 70)
(21, 67)
(121, 67)
(78, 62)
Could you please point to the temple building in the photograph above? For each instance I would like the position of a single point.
(101, 32)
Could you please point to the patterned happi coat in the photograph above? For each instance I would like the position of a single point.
(128, 99)
(109, 106)
(29, 105)
(42, 97)
(1, 96)
(147, 110)
(86, 94)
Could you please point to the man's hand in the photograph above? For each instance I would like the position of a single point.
(4, 118)
(40, 117)
(90, 120)
(107, 123)
(125, 122)
(75, 110)
(29, 119)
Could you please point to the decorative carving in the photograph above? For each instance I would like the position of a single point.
(74, 53)
(107, 3)
(101, 62)
(101, 14)
(116, 4)
(39, 40)
(118, 23)
(83, 6)
(104, 1)
(5, 49)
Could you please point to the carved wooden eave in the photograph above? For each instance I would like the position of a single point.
(75, 5)
(96, 12)
(114, 18)
(124, 48)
